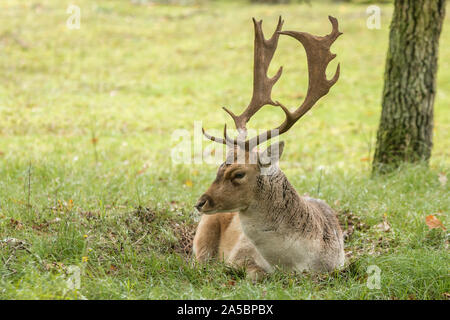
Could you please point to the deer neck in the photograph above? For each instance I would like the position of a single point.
(281, 224)
(277, 205)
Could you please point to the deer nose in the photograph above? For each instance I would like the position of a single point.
(200, 204)
(204, 199)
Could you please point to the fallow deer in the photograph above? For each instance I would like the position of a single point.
(252, 216)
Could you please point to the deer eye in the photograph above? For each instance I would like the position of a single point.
(239, 175)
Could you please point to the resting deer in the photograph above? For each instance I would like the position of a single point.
(252, 216)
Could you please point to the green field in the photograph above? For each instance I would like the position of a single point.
(86, 176)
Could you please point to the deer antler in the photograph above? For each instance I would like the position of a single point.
(318, 56)
(262, 85)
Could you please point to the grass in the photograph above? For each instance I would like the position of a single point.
(86, 131)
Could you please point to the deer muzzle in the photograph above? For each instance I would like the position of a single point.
(204, 203)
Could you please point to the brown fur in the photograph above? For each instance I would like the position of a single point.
(220, 236)
(273, 225)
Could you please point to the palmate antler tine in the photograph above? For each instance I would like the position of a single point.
(263, 54)
(262, 84)
(264, 49)
(318, 56)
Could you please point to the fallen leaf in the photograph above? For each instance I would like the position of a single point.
(144, 168)
(40, 226)
(16, 224)
(383, 226)
(69, 204)
(433, 222)
(55, 266)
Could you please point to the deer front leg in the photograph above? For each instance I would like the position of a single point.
(207, 238)
(244, 254)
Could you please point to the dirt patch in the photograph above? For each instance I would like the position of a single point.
(150, 222)
(140, 222)
(145, 215)
(185, 235)
(350, 223)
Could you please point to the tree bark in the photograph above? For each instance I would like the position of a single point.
(405, 133)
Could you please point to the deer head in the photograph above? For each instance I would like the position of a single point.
(238, 177)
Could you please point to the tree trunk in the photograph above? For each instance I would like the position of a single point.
(406, 126)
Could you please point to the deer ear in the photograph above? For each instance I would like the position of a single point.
(271, 155)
